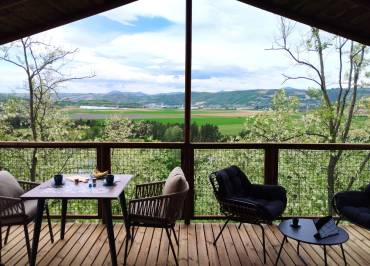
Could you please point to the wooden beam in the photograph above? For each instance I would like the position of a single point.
(5, 4)
(90, 10)
(271, 6)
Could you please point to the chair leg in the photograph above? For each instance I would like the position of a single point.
(171, 245)
(49, 223)
(126, 249)
(174, 233)
(340, 218)
(7, 235)
(240, 225)
(1, 241)
(263, 243)
(28, 245)
(219, 234)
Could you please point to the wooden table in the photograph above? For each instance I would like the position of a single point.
(71, 191)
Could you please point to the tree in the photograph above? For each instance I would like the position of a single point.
(279, 124)
(173, 133)
(331, 123)
(119, 130)
(43, 66)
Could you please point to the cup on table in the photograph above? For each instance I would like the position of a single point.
(295, 222)
(58, 179)
(109, 179)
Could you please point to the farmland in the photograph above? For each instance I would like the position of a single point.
(229, 122)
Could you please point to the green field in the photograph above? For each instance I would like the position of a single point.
(230, 122)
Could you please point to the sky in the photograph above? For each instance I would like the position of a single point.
(140, 47)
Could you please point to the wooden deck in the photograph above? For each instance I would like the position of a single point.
(86, 244)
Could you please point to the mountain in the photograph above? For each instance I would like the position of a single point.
(248, 99)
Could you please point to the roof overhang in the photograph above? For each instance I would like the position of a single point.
(21, 18)
(347, 18)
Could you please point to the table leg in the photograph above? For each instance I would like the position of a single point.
(298, 247)
(112, 245)
(326, 260)
(64, 215)
(122, 200)
(281, 248)
(36, 231)
(344, 256)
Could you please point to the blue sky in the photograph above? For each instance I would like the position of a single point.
(140, 47)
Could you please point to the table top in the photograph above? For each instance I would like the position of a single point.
(70, 190)
(305, 233)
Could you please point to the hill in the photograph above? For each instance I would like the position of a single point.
(248, 99)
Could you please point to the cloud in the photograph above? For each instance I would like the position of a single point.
(141, 47)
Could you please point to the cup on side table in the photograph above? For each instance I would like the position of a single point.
(58, 179)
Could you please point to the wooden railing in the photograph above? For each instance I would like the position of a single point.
(270, 167)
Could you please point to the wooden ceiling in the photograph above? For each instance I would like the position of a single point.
(347, 18)
(20, 18)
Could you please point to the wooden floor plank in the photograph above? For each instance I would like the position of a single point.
(145, 246)
(230, 247)
(17, 246)
(44, 244)
(83, 255)
(154, 247)
(163, 249)
(136, 245)
(208, 255)
(183, 245)
(47, 259)
(203, 257)
(256, 239)
(104, 254)
(242, 253)
(247, 243)
(86, 244)
(75, 251)
(192, 246)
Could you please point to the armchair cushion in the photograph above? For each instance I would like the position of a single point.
(9, 187)
(30, 207)
(232, 182)
(176, 182)
(268, 192)
(268, 210)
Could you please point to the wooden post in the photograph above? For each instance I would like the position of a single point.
(187, 164)
(187, 153)
(271, 165)
(103, 163)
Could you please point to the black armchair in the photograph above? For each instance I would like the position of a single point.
(354, 206)
(242, 201)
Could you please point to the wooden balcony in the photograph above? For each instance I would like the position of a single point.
(86, 244)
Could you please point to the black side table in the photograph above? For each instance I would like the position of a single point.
(305, 233)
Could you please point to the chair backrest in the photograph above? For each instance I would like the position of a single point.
(176, 187)
(9, 187)
(229, 182)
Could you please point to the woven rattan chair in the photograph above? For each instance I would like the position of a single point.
(158, 205)
(14, 211)
(244, 202)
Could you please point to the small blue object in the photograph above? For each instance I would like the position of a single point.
(90, 185)
(94, 185)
